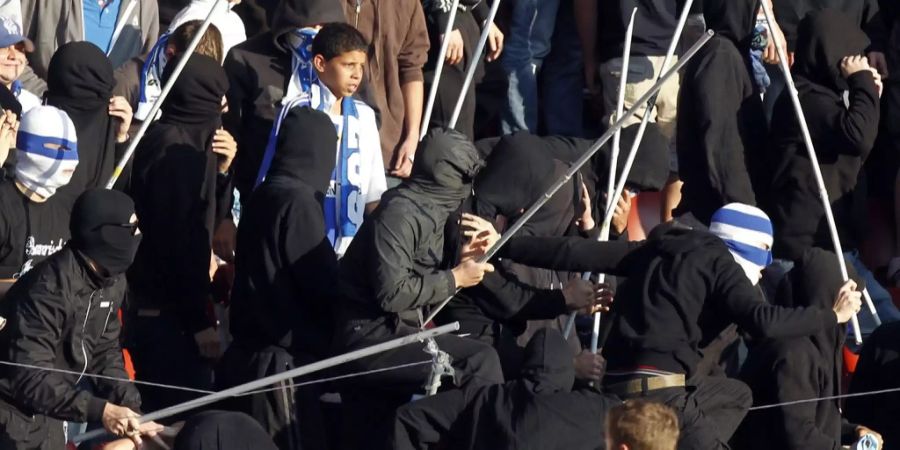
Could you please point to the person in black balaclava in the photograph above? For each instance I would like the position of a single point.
(259, 71)
(63, 315)
(394, 270)
(721, 125)
(538, 411)
(181, 189)
(286, 275)
(80, 82)
(785, 370)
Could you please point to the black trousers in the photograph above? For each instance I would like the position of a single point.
(291, 415)
(19, 431)
(709, 409)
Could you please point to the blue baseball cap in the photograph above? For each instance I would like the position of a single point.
(11, 34)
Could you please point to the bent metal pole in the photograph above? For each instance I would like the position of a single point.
(526, 216)
(272, 379)
(438, 70)
(473, 64)
(813, 159)
(120, 166)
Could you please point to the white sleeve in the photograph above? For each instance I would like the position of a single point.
(370, 148)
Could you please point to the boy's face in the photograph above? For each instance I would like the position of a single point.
(343, 73)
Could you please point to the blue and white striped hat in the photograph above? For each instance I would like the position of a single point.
(747, 231)
(47, 150)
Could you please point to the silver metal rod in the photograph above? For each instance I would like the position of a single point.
(438, 70)
(272, 379)
(136, 139)
(473, 64)
(811, 151)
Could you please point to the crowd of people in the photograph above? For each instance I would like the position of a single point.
(198, 194)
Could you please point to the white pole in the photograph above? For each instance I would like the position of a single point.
(813, 159)
(162, 96)
(272, 379)
(526, 216)
(473, 64)
(439, 69)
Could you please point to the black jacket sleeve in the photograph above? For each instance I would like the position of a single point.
(796, 378)
(399, 284)
(106, 360)
(503, 297)
(572, 254)
(852, 129)
(36, 335)
(421, 424)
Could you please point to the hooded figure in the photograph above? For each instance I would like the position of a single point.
(721, 126)
(685, 273)
(843, 134)
(63, 315)
(394, 268)
(285, 279)
(180, 196)
(80, 82)
(877, 369)
(33, 215)
(784, 370)
(538, 411)
(262, 70)
(220, 430)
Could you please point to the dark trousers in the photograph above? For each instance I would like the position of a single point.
(709, 409)
(19, 431)
(291, 415)
(163, 353)
(452, 79)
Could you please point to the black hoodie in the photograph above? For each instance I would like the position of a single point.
(286, 271)
(393, 267)
(721, 126)
(842, 134)
(789, 14)
(785, 370)
(672, 279)
(180, 196)
(259, 71)
(538, 411)
(878, 368)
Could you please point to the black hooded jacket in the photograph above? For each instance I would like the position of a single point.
(80, 82)
(721, 126)
(259, 71)
(180, 196)
(789, 14)
(878, 368)
(539, 411)
(394, 266)
(286, 270)
(784, 370)
(672, 280)
(843, 136)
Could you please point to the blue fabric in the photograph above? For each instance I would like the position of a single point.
(743, 220)
(33, 143)
(757, 45)
(338, 220)
(304, 69)
(563, 79)
(100, 22)
(154, 64)
(884, 304)
(752, 253)
(16, 88)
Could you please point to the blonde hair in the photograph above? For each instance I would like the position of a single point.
(643, 425)
(210, 44)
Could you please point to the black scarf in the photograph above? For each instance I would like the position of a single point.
(99, 230)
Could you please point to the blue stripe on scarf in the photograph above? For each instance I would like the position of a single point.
(36, 144)
(751, 253)
(153, 62)
(338, 220)
(743, 220)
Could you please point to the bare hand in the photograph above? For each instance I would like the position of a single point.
(469, 273)
(209, 343)
(847, 302)
(622, 212)
(853, 64)
(879, 84)
(225, 146)
(589, 366)
(879, 62)
(495, 43)
(9, 127)
(119, 420)
(585, 221)
(481, 234)
(770, 55)
(120, 109)
(454, 48)
(403, 158)
(862, 431)
(582, 295)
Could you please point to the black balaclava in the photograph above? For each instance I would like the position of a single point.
(824, 38)
(97, 229)
(196, 96)
(445, 164)
(515, 175)
(548, 366)
(732, 19)
(305, 149)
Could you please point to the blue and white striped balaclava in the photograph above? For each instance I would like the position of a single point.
(46, 150)
(747, 231)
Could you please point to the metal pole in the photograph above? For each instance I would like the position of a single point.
(162, 96)
(272, 379)
(473, 64)
(813, 159)
(442, 56)
(526, 216)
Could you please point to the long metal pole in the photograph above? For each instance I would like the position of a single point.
(526, 216)
(136, 139)
(439, 69)
(473, 64)
(272, 379)
(813, 159)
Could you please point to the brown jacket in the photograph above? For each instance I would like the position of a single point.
(397, 54)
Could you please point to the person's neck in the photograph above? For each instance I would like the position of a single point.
(28, 193)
